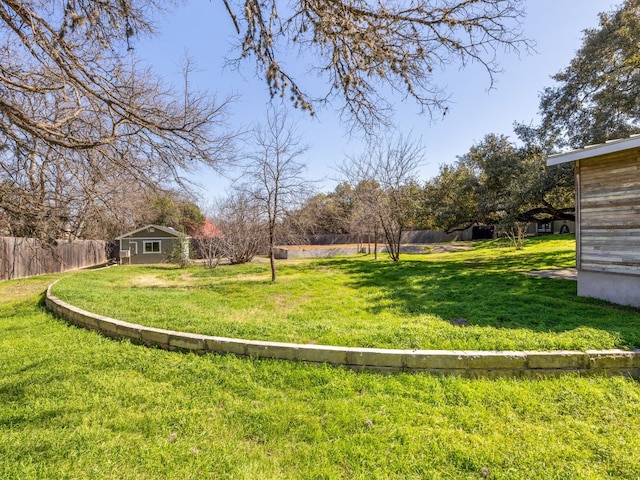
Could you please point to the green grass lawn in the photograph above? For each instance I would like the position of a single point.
(361, 302)
(74, 405)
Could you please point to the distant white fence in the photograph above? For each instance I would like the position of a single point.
(27, 257)
(410, 236)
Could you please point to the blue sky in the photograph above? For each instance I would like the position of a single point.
(202, 28)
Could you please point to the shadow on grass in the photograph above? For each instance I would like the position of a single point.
(16, 384)
(490, 293)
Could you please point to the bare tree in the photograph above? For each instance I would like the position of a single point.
(274, 174)
(211, 250)
(78, 115)
(365, 218)
(74, 49)
(242, 228)
(76, 109)
(363, 48)
(384, 176)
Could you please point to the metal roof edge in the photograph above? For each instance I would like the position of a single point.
(611, 146)
(169, 230)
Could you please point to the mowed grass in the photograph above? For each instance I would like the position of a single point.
(74, 405)
(418, 303)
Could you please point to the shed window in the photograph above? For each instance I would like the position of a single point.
(152, 246)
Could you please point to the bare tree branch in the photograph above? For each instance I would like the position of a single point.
(275, 174)
(360, 48)
(383, 177)
(77, 113)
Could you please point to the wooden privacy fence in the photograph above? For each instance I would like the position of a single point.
(26, 257)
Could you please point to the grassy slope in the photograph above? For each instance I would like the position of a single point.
(74, 405)
(361, 302)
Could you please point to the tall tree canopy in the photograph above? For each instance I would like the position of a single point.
(79, 119)
(326, 213)
(597, 97)
(77, 114)
(499, 183)
(170, 209)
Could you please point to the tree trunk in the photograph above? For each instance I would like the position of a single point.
(272, 255)
(397, 245)
(272, 262)
(375, 243)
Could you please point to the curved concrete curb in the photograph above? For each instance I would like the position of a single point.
(462, 363)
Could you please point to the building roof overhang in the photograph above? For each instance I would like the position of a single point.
(590, 151)
(169, 230)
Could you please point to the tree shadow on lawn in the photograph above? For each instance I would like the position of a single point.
(490, 293)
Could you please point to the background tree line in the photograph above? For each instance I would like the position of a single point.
(92, 143)
(85, 125)
(506, 183)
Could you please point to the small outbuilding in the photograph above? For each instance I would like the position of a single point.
(607, 178)
(151, 244)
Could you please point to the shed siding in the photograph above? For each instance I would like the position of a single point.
(609, 206)
(138, 255)
(135, 242)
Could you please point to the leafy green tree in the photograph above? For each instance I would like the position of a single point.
(191, 218)
(597, 97)
(327, 213)
(453, 197)
(171, 210)
(550, 191)
(498, 183)
(179, 253)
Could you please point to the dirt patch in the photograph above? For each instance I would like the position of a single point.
(144, 281)
(285, 303)
(459, 322)
(565, 273)
(448, 248)
(22, 288)
(249, 278)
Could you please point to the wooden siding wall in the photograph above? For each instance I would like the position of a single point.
(609, 199)
(25, 257)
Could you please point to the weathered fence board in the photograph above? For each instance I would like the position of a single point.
(26, 257)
